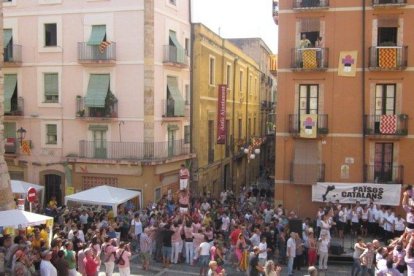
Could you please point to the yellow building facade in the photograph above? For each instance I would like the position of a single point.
(226, 166)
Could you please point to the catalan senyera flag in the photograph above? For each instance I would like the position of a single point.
(25, 147)
(308, 125)
(103, 46)
(347, 63)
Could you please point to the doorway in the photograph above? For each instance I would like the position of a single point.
(383, 163)
(387, 36)
(52, 188)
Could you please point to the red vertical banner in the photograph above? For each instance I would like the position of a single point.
(221, 114)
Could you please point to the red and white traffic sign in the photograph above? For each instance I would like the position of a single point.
(31, 194)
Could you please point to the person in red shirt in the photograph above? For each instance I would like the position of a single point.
(91, 262)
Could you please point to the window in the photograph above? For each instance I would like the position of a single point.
(187, 134)
(212, 72)
(51, 134)
(249, 128)
(254, 126)
(308, 99)
(50, 34)
(173, 2)
(241, 81)
(309, 29)
(385, 99)
(228, 75)
(383, 168)
(210, 141)
(51, 87)
(387, 31)
(255, 86)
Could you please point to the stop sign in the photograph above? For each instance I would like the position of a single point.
(31, 194)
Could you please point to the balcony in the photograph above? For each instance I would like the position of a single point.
(110, 110)
(11, 146)
(310, 4)
(384, 173)
(388, 58)
(96, 54)
(16, 107)
(388, 3)
(322, 125)
(174, 56)
(386, 125)
(13, 55)
(267, 105)
(140, 151)
(310, 59)
(307, 174)
(275, 9)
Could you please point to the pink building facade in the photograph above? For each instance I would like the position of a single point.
(100, 92)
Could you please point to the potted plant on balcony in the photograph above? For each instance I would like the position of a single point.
(80, 113)
(110, 102)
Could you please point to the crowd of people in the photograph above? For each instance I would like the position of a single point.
(246, 233)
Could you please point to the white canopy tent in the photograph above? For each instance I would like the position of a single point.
(104, 196)
(21, 187)
(22, 219)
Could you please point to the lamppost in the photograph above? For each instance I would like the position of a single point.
(21, 133)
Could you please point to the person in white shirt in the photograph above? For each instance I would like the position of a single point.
(342, 221)
(291, 252)
(204, 255)
(225, 225)
(372, 223)
(205, 206)
(355, 221)
(388, 224)
(263, 251)
(399, 226)
(137, 224)
(46, 267)
(255, 238)
(323, 252)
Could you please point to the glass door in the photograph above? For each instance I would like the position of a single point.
(99, 143)
(383, 163)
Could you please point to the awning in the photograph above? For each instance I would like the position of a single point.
(98, 88)
(172, 87)
(18, 218)
(10, 82)
(174, 40)
(180, 53)
(7, 36)
(97, 34)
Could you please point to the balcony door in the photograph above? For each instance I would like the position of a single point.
(383, 163)
(99, 144)
(308, 99)
(387, 36)
(171, 139)
(384, 102)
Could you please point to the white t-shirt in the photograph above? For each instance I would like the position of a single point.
(263, 246)
(291, 248)
(137, 226)
(323, 245)
(255, 239)
(399, 224)
(225, 223)
(204, 249)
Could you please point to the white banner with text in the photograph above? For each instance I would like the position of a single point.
(384, 194)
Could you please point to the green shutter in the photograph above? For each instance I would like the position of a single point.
(7, 36)
(98, 87)
(98, 128)
(180, 50)
(10, 82)
(172, 87)
(172, 127)
(97, 34)
(51, 84)
(51, 130)
(9, 130)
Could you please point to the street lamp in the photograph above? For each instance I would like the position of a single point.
(21, 133)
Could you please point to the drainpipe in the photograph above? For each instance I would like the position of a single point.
(364, 173)
(192, 38)
(234, 119)
(247, 122)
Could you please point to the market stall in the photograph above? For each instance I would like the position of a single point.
(12, 220)
(103, 196)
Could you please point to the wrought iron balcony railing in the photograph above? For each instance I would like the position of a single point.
(310, 59)
(105, 53)
(295, 124)
(13, 55)
(388, 58)
(175, 56)
(393, 125)
(109, 111)
(101, 149)
(386, 3)
(310, 4)
(384, 172)
(307, 173)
